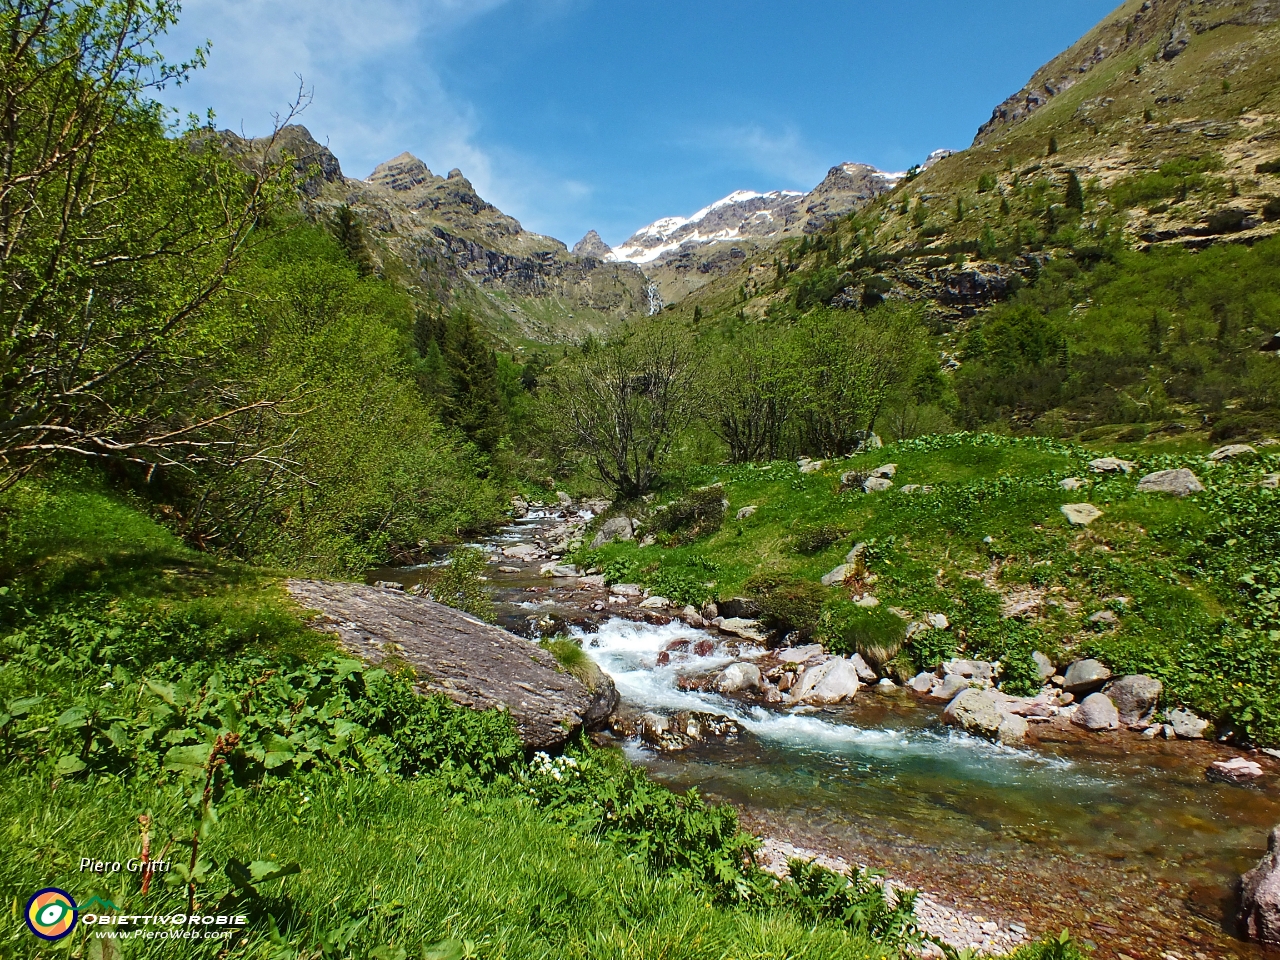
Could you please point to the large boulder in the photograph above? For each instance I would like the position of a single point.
(1135, 697)
(863, 669)
(951, 685)
(1180, 483)
(615, 528)
(877, 484)
(1112, 465)
(1096, 712)
(1085, 676)
(738, 677)
(973, 711)
(1231, 451)
(1012, 729)
(1044, 666)
(738, 608)
(1260, 896)
(839, 575)
(1187, 726)
(971, 669)
(828, 682)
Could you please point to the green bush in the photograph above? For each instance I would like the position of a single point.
(790, 604)
(817, 537)
(876, 633)
(857, 901)
(696, 514)
(460, 584)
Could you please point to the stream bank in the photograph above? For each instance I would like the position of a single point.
(1119, 838)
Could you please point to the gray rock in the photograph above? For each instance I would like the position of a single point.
(1135, 697)
(1112, 465)
(974, 712)
(1180, 483)
(863, 669)
(741, 628)
(738, 608)
(1084, 676)
(887, 471)
(1080, 514)
(1270, 482)
(475, 664)
(1237, 770)
(1186, 725)
(858, 551)
(839, 575)
(627, 590)
(811, 466)
(738, 677)
(1012, 729)
(938, 621)
(519, 508)
(615, 528)
(971, 669)
(950, 687)
(564, 499)
(654, 603)
(1071, 483)
(877, 485)
(562, 570)
(922, 682)
(909, 487)
(800, 654)
(1104, 616)
(1044, 665)
(1231, 451)
(746, 512)
(1096, 712)
(828, 682)
(1260, 895)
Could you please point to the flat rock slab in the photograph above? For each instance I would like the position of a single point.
(474, 663)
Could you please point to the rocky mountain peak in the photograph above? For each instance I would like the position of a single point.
(404, 172)
(592, 246)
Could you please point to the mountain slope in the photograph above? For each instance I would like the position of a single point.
(447, 244)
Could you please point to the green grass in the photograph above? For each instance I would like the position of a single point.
(399, 865)
(1187, 618)
(403, 827)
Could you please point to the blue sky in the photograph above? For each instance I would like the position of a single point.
(608, 114)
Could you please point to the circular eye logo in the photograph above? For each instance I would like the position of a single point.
(51, 913)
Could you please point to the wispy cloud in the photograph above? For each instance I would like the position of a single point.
(369, 64)
(780, 154)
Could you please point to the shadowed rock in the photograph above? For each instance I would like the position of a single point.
(475, 664)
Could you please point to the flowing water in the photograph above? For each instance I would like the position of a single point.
(1120, 839)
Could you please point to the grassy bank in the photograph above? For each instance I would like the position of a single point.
(343, 814)
(1189, 581)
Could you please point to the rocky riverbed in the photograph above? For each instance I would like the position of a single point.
(1112, 826)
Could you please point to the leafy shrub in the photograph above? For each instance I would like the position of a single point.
(929, 648)
(857, 901)
(679, 586)
(698, 513)
(812, 539)
(789, 603)
(876, 633)
(103, 704)
(1173, 179)
(460, 584)
(599, 794)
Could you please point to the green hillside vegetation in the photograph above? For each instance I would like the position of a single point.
(342, 812)
(1189, 581)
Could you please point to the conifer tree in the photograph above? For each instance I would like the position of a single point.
(1075, 193)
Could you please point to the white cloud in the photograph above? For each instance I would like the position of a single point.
(369, 64)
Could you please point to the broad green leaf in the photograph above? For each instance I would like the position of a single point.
(68, 764)
(75, 717)
(444, 950)
(188, 760)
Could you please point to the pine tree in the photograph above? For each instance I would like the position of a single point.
(1053, 146)
(350, 235)
(1075, 193)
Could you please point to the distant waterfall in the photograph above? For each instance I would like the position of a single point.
(655, 299)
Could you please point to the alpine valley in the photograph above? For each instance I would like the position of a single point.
(889, 570)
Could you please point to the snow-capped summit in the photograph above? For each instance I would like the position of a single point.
(746, 215)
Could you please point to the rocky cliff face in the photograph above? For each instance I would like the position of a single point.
(449, 244)
(1173, 23)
